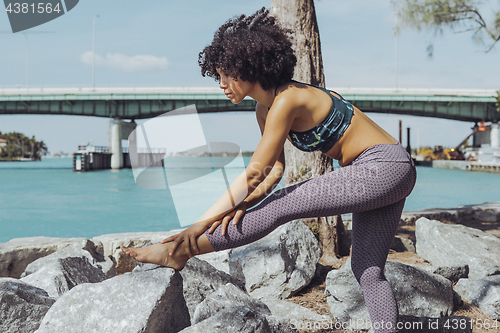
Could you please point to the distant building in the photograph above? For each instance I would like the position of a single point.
(3, 143)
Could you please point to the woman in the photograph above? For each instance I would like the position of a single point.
(253, 56)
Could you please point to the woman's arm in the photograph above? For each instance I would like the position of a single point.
(274, 177)
(268, 159)
(277, 125)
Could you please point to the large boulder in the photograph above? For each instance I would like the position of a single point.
(417, 293)
(487, 212)
(22, 306)
(215, 314)
(111, 244)
(236, 319)
(199, 279)
(17, 253)
(297, 315)
(279, 264)
(219, 259)
(456, 245)
(84, 249)
(483, 293)
(149, 301)
(61, 275)
(227, 297)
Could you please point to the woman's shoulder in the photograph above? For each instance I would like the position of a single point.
(293, 94)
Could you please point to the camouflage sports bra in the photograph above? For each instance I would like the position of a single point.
(324, 135)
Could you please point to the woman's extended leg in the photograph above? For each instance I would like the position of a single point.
(380, 176)
(372, 235)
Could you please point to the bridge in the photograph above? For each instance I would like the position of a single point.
(141, 103)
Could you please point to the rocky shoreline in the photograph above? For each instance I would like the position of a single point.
(90, 285)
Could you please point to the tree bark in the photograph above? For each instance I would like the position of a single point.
(300, 16)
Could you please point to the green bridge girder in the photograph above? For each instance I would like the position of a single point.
(141, 103)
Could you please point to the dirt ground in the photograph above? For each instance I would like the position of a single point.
(313, 296)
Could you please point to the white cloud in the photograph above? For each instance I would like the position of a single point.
(125, 63)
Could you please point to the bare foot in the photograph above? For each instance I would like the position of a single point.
(158, 254)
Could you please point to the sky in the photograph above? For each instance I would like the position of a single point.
(156, 43)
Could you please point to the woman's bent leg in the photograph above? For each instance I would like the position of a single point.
(372, 235)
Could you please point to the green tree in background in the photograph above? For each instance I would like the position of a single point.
(20, 146)
(466, 15)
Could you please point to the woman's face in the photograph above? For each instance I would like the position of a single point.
(235, 90)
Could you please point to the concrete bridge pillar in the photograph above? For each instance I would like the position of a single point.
(495, 135)
(116, 145)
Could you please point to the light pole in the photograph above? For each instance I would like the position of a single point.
(27, 61)
(93, 52)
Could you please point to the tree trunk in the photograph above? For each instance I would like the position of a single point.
(300, 16)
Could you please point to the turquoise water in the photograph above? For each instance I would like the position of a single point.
(48, 199)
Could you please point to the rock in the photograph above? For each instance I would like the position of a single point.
(215, 312)
(279, 264)
(22, 306)
(439, 214)
(483, 293)
(402, 245)
(487, 212)
(149, 301)
(443, 245)
(453, 273)
(219, 260)
(236, 319)
(17, 253)
(227, 297)
(297, 315)
(111, 246)
(200, 279)
(417, 293)
(61, 275)
(85, 249)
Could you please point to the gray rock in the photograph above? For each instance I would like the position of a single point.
(215, 314)
(487, 212)
(17, 253)
(417, 293)
(402, 245)
(227, 297)
(111, 244)
(295, 314)
(457, 245)
(483, 293)
(149, 301)
(219, 260)
(61, 275)
(453, 273)
(235, 319)
(279, 264)
(85, 249)
(200, 279)
(22, 306)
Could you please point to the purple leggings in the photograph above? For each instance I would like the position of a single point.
(373, 187)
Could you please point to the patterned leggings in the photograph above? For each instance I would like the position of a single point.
(373, 187)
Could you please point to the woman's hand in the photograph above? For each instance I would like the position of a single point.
(189, 237)
(235, 214)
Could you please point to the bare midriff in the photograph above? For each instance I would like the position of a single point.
(361, 134)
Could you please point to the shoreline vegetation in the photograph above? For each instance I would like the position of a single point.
(16, 146)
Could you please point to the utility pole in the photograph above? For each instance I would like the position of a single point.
(93, 52)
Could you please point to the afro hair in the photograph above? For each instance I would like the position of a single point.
(251, 48)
